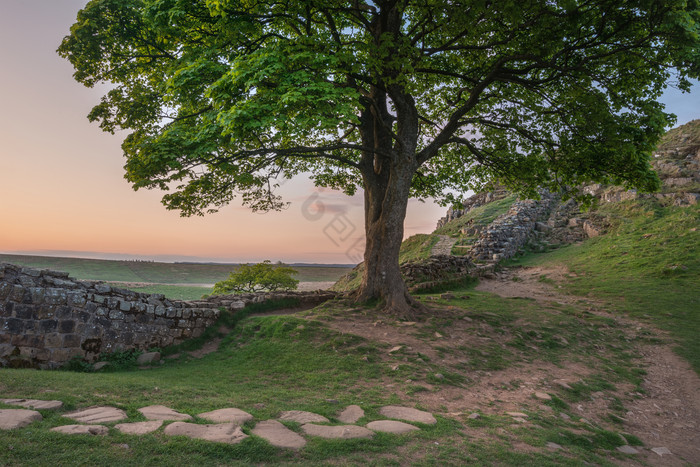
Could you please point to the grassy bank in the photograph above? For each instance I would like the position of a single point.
(647, 265)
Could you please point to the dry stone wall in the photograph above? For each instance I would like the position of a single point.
(506, 235)
(46, 318)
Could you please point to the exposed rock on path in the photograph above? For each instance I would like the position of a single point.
(443, 246)
(391, 426)
(97, 415)
(351, 414)
(94, 430)
(230, 415)
(301, 416)
(278, 435)
(34, 404)
(139, 428)
(337, 432)
(17, 418)
(408, 413)
(229, 433)
(161, 412)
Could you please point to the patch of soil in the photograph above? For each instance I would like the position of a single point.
(668, 414)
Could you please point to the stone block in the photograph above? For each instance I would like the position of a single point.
(55, 296)
(17, 293)
(53, 340)
(102, 311)
(103, 288)
(71, 340)
(160, 310)
(63, 312)
(116, 314)
(124, 305)
(23, 311)
(66, 326)
(14, 326)
(48, 325)
(27, 340)
(37, 294)
(76, 298)
(170, 312)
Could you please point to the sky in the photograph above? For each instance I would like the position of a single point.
(62, 190)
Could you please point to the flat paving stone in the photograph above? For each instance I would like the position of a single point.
(337, 432)
(94, 430)
(161, 412)
(543, 396)
(278, 435)
(351, 414)
(517, 414)
(34, 403)
(139, 428)
(391, 426)
(300, 416)
(408, 413)
(17, 418)
(229, 433)
(230, 415)
(95, 415)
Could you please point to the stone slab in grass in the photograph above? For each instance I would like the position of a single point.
(229, 433)
(408, 413)
(95, 415)
(139, 428)
(17, 418)
(230, 415)
(161, 412)
(337, 432)
(278, 435)
(391, 426)
(34, 403)
(351, 414)
(300, 416)
(94, 430)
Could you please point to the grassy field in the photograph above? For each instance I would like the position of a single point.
(182, 281)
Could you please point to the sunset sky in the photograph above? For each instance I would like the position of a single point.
(62, 189)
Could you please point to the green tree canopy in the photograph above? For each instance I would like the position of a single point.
(400, 98)
(257, 278)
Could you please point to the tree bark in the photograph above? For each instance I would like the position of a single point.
(386, 198)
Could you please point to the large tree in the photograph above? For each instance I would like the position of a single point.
(400, 98)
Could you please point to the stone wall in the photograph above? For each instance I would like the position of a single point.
(46, 318)
(474, 201)
(508, 233)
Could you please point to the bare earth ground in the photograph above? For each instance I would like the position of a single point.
(667, 415)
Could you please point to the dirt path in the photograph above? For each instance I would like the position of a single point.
(443, 246)
(668, 414)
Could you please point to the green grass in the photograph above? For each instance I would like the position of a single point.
(482, 216)
(173, 292)
(155, 272)
(648, 266)
(417, 247)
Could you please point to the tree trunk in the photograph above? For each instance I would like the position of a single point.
(386, 199)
